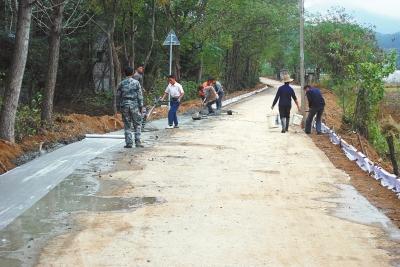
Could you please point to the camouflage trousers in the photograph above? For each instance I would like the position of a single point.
(132, 120)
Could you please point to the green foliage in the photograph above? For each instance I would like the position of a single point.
(267, 70)
(190, 88)
(101, 99)
(28, 118)
(348, 53)
(335, 41)
(345, 90)
(377, 138)
(368, 78)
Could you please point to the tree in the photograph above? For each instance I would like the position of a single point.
(183, 16)
(391, 130)
(52, 24)
(334, 41)
(110, 10)
(368, 77)
(16, 73)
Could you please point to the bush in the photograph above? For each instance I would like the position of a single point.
(28, 118)
(377, 138)
(347, 98)
(190, 88)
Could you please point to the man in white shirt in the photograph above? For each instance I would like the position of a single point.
(175, 91)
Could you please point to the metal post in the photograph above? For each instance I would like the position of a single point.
(170, 70)
(170, 57)
(302, 73)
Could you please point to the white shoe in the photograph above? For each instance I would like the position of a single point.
(169, 127)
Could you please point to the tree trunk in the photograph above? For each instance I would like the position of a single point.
(153, 25)
(117, 64)
(133, 33)
(115, 58)
(16, 74)
(392, 154)
(178, 66)
(361, 114)
(115, 69)
(54, 56)
(200, 77)
(112, 71)
(126, 56)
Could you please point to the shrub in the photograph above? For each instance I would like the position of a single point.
(377, 138)
(190, 88)
(28, 118)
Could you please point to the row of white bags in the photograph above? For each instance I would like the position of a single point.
(386, 178)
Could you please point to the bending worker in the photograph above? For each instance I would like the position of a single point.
(130, 103)
(211, 97)
(316, 104)
(175, 91)
(285, 94)
(220, 91)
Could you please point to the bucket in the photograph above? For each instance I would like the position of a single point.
(274, 121)
(297, 119)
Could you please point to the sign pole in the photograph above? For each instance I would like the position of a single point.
(170, 69)
(171, 40)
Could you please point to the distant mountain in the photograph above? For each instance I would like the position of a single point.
(390, 41)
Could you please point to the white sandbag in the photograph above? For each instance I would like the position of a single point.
(387, 179)
(349, 150)
(335, 139)
(324, 128)
(364, 163)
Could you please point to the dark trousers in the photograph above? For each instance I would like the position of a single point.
(172, 117)
(219, 100)
(314, 111)
(284, 113)
(209, 106)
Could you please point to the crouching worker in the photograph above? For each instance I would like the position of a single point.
(130, 102)
(211, 97)
(220, 91)
(316, 104)
(201, 93)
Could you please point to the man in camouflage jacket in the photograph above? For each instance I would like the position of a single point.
(130, 102)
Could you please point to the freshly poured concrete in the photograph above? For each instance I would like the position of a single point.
(236, 193)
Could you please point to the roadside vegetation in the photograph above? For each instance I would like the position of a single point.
(78, 49)
(354, 68)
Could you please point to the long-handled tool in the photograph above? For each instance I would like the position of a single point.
(147, 113)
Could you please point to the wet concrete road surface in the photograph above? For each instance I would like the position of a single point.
(227, 191)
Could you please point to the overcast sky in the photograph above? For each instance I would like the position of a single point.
(384, 14)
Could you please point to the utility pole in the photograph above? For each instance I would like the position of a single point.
(302, 73)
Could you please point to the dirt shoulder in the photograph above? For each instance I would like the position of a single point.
(379, 196)
(73, 127)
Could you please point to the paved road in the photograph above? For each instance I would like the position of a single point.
(25, 185)
(236, 193)
(21, 187)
